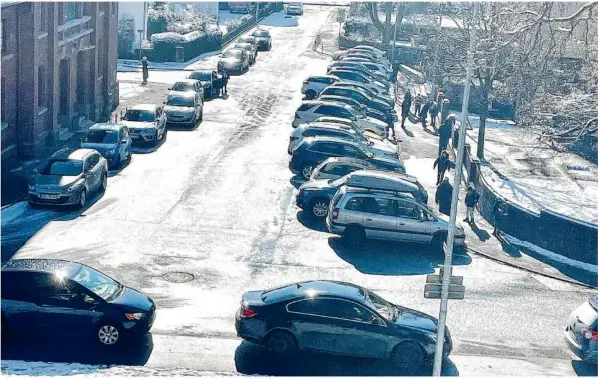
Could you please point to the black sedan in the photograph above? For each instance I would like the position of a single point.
(234, 61)
(51, 296)
(338, 318)
(264, 40)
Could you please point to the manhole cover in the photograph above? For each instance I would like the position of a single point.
(178, 277)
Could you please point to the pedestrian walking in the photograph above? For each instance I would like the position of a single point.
(499, 211)
(444, 134)
(405, 106)
(390, 121)
(471, 199)
(424, 113)
(444, 196)
(433, 113)
(418, 104)
(224, 82)
(144, 70)
(408, 97)
(444, 163)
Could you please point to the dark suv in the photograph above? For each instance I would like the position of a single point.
(314, 150)
(68, 298)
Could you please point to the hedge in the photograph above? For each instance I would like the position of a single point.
(194, 44)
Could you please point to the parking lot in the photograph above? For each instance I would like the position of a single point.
(210, 213)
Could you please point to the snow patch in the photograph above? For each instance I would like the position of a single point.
(127, 89)
(551, 255)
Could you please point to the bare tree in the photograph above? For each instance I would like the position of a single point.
(385, 28)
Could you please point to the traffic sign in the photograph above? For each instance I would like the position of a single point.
(437, 279)
(433, 291)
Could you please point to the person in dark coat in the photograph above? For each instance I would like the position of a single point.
(444, 163)
(471, 199)
(405, 106)
(408, 97)
(424, 113)
(499, 211)
(444, 196)
(444, 134)
(224, 82)
(433, 113)
(418, 104)
(390, 121)
(144, 69)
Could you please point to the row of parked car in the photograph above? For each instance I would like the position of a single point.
(355, 176)
(70, 176)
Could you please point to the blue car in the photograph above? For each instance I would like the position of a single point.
(112, 141)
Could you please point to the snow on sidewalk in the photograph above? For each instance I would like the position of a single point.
(24, 368)
(12, 212)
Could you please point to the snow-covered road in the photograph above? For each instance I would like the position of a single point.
(210, 214)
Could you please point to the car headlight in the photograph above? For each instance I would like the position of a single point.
(133, 316)
(110, 152)
(74, 187)
(32, 187)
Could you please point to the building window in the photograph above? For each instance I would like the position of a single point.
(41, 86)
(3, 104)
(5, 37)
(42, 16)
(69, 11)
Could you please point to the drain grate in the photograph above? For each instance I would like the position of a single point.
(178, 277)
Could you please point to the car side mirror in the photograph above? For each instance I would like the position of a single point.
(163, 102)
(170, 89)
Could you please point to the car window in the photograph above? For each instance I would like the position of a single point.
(139, 115)
(15, 286)
(354, 204)
(327, 110)
(100, 136)
(66, 167)
(180, 101)
(331, 308)
(380, 206)
(98, 283)
(342, 169)
(326, 147)
(93, 160)
(351, 151)
(304, 107)
(50, 289)
(407, 209)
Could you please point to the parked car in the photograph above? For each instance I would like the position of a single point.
(263, 39)
(311, 110)
(358, 68)
(146, 123)
(110, 140)
(313, 85)
(359, 96)
(234, 61)
(295, 9)
(69, 299)
(339, 318)
(315, 195)
(183, 109)
(377, 147)
(360, 78)
(68, 177)
(249, 49)
(357, 214)
(313, 150)
(386, 98)
(367, 55)
(238, 7)
(335, 167)
(370, 132)
(370, 65)
(249, 39)
(194, 85)
(207, 80)
(581, 333)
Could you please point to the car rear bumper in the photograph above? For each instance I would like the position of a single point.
(250, 329)
(63, 199)
(334, 228)
(296, 122)
(587, 355)
(186, 123)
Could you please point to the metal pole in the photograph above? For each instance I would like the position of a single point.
(436, 51)
(394, 39)
(257, 12)
(453, 218)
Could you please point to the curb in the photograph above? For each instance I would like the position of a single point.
(570, 281)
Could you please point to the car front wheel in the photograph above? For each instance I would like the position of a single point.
(408, 356)
(108, 334)
(319, 208)
(104, 183)
(82, 198)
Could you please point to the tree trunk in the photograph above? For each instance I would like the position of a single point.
(387, 23)
(482, 129)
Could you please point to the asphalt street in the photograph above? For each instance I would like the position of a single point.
(210, 214)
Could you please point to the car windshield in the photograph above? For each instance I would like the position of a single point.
(232, 54)
(140, 115)
(98, 283)
(101, 136)
(179, 101)
(261, 34)
(244, 45)
(383, 307)
(63, 167)
(182, 86)
(338, 181)
(203, 76)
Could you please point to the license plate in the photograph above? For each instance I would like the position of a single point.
(49, 197)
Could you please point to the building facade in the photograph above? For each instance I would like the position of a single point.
(58, 72)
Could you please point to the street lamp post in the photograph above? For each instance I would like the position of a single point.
(140, 31)
(455, 198)
(257, 12)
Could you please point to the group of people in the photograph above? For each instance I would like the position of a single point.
(423, 107)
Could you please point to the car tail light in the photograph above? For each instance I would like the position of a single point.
(590, 334)
(335, 214)
(248, 312)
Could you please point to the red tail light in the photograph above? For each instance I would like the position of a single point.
(335, 214)
(248, 312)
(590, 334)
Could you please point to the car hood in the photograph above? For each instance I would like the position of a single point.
(315, 185)
(56, 180)
(138, 124)
(100, 147)
(382, 146)
(131, 298)
(178, 110)
(386, 161)
(373, 121)
(262, 39)
(417, 320)
(229, 61)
